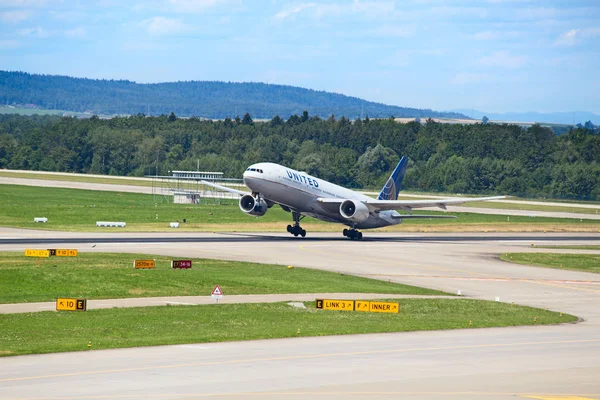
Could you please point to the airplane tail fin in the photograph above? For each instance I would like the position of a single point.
(392, 186)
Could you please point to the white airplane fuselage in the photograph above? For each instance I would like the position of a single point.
(299, 192)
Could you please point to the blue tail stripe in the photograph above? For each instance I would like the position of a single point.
(392, 186)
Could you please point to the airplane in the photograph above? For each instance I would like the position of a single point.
(304, 195)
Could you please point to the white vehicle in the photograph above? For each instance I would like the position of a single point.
(304, 195)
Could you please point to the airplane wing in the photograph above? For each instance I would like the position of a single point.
(408, 205)
(225, 188)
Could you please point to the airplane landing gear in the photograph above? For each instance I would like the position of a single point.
(352, 234)
(296, 229)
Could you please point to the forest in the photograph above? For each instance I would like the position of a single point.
(203, 99)
(454, 158)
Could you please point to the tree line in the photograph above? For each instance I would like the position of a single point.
(456, 158)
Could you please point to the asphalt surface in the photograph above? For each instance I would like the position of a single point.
(506, 363)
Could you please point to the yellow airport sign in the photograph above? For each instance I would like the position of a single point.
(339, 305)
(143, 264)
(37, 253)
(361, 305)
(381, 307)
(67, 253)
(68, 304)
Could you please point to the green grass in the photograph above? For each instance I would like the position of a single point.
(532, 207)
(150, 326)
(111, 275)
(78, 210)
(574, 262)
(572, 247)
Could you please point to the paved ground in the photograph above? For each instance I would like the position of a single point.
(198, 300)
(463, 364)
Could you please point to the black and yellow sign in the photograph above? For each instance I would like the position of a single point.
(383, 307)
(66, 253)
(37, 253)
(358, 305)
(64, 304)
(143, 264)
(340, 305)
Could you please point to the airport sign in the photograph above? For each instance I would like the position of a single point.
(217, 293)
(384, 307)
(339, 305)
(67, 253)
(143, 264)
(358, 305)
(37, 253)
(68, 304)
(181, 264)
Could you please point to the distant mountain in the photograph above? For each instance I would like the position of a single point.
(195, 98)
(569, 118)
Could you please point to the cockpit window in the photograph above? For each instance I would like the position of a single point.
(260, 170)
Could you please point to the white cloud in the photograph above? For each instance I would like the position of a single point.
(468, 78)
(460, 11)
(486, 35)
(368, 9)
(38, 32)
(574, 36)
(394, 31)
(71, 15)
(503, 59)
(75, 32)
(495, 35)
(568, 38)
(162, 26)
(191, 6)
(536, 13)
(14, 17)
(290, 11)
(9, 44)
(22, 3)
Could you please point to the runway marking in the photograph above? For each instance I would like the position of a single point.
(301, 357)
(315, 393)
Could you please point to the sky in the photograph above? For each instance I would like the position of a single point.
(491, 55)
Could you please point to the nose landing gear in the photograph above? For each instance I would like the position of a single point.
(352, 234)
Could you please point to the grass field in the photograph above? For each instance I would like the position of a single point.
(572, 247)
(78, 210)
(111, 275)
(574, 262)
(149, 326)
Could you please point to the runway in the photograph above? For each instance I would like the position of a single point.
(499, 363)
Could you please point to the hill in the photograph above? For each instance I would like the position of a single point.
(206, 99)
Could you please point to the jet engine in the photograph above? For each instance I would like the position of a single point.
(250, 205)
(353, 210)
